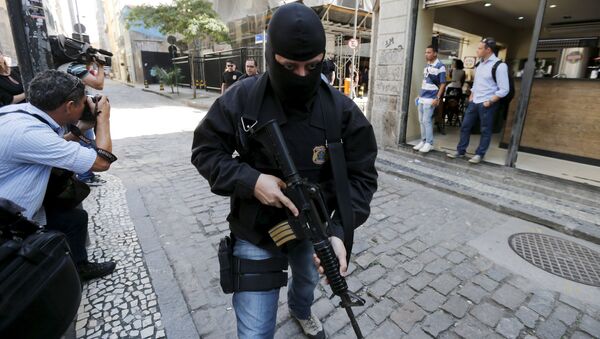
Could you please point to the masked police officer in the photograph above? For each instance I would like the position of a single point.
(307, 110)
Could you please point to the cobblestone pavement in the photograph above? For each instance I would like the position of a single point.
(412, 262)
(421, 261)
(123, 304)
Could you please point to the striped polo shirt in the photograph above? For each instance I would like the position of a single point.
(434, 75)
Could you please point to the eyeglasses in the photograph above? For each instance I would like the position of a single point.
(229, 65)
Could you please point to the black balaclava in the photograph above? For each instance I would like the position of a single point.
(296, 33)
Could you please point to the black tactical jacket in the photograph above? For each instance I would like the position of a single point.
(220, 134)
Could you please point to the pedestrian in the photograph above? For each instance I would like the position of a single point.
(251, 68)
(484, 100)
(432, 90)
(32, 143)
(11, 88)
(230, 76)
(454, 93)
(292, 92)
(328, 69)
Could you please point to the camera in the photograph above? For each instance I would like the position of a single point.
(66, 50)
(89, 115)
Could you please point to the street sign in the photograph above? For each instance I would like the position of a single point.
(259, 38)
(353, 43)
(79, 28)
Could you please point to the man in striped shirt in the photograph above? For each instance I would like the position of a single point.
(432, 89)
(32, 143)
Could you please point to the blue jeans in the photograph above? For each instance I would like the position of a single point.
(486, 118)
(256, 312)
(90, 135)
(425, 120)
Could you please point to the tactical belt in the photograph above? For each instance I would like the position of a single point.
(259, 275)
(241, 275)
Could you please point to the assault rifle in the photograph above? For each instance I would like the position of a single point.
(312, 220)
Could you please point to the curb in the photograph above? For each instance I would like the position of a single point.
(388, 168)
(158, 93)
(176, 316)
(187, 102)
(197, 105)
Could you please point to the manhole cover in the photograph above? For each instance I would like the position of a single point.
(560, 257)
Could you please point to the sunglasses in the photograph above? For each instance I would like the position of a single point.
(76, 83)
(491, 43)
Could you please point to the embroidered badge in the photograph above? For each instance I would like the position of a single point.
(319, 155)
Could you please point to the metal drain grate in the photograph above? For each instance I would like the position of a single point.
(560, 257)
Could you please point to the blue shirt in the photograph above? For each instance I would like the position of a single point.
(485, 87)
(28, 150)
(434, 75)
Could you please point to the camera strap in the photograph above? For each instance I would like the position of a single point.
(77, 132)
(33, 115)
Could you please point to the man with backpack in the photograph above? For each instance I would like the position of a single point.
(490, 87)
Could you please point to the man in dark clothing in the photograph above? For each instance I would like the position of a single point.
(292, 92)
(230, 76)
(251, 68)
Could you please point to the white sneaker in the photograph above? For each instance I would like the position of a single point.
(419, 145)
(426, 148)
(311, 327)
(476, 159)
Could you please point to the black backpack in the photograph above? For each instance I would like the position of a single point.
(511, 83)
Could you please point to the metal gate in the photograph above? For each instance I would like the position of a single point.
(211, 66)
(183, 63)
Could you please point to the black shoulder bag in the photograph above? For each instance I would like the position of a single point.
(40, 289)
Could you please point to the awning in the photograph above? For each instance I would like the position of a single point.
(443, 3)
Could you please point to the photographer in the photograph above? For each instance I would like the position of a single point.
(94, 79)
(32, 143)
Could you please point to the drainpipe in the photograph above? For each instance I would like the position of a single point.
(409, 51)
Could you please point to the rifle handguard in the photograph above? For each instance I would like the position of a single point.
(330, 264)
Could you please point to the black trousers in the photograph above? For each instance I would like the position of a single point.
(74, 224)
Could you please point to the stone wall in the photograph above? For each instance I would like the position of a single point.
(390, 37)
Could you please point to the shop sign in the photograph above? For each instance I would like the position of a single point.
(469, 62)
(574, 57)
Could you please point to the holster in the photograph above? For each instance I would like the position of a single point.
(240, 275)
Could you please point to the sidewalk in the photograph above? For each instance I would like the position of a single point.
(566, 206)
(204, 98)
